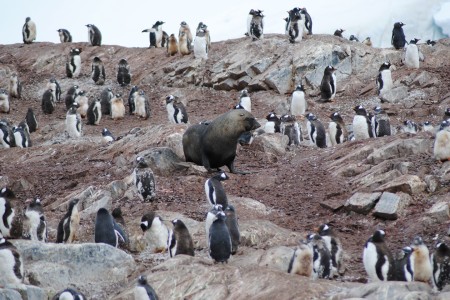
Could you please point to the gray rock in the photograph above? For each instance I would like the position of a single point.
(263, 234)
(10, 294)
(410, 184)
(432, 183)
(277, 258)
(390, 206)
(272, 144)
(398, 148)
(162, 160)
(362, 203)
(395, 95)
(280, 80)
(116, 188)
(175, 142)
(439, 212)
(100, 199)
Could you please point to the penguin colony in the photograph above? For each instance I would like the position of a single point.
(318, 256)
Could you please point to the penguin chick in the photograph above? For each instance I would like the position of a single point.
(380, 123)
(184, 39)
(334, 246)
(48, 102)
(98, 71)
(337, 129)
(215, 193)
(83, 103)
(144, 180)
(245, 101)
(233, 227)
(4, 101)
(68, 226)
(117, 107)
(31, 120)
(377, 258)
(156, 233)
(73, 122)
(94, 112)
(256, 25)
(11, 264)
(273, 123)
(420, 261)
(290, 127)
(220, 246)
(176, 111)
(36, 221)
(384, 78)
(56, 88)
(71, 94)
(328, 84)
(15, 86)
(64, 36)
(367, 42)
(403, 268)
(95, 36)
(301, 262)
(105, 101)
(321, 257)
(316, 131)
(143, 291)
(28, 31)
(210, 217)
(441, 265)
(180, 240)
(142, 105)
(441, 149)
(398, 36)
(172, 46)
(123, 73)
(105, 231)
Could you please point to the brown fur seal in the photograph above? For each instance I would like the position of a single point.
(214, 145)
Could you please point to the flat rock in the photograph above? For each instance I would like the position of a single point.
(390, 206)
(439, 212)
(410, 184)
(395, 95)
(263, 234)
(362, 203)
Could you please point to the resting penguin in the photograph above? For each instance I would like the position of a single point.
(367, 41)
(233, 228)
(328, 84)
(64, 36)
(441, 149)
(298, 101)
(384, 78)
(144, 180)
(362, 126)
(4, 101)
(412, 54)
(210, 217)
(95, 36)
(321, 257)
(176, 111)
(94, 112)
(420, 261)
(73, 122)
(123, 73)
(403, 269)
(28, 31)
(441, 265)
(142, 105)
(37, 225)
(143, 291)
(256, 31)
(316, 131)
(377, 258)
(201, 44)
(338, 32)
(337, 129)
(156, 232)
(273, 123)
(105, 101)
(245, 101)
(48, 102)
(104, 231)
(73, 64)
(11, 264)
(180, 240)
(431, 43)
(380, 123)
(107, 136)
(185, 39)
(172, 45)
(214, 145)
(134, 92)
(289, 127)
(15, 87)
(219, 239)
(98, 71)
(68, 226)
(307, 20)
(156, 34)
(69, 294)
(31, 120)
(117, 107)
(334, 246)
(301, 262)
(71, 95)
(398, 36)
(294, 29)
(215, 193)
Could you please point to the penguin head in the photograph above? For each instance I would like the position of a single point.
(217, 207)
(117, 212)
(398, 25)
(353, 38)
(414, 41)
(378, 236)
(73, 203)
(311, 117)
(426, 123)
(238, 106)
(272, 117)
(324, 230)
(410, 124)
(222, 176)
(220, 216)
(360, 110)
(287, 118)
(299, 87)
(183, 23)
(329, 70)
(431, 43)
(377, 110)
(407, 250)
(230, 208)
(447, 112)
(170, 99)
(417, 241)
(141, 92)
(244, 93)
(146, 221)
(123, 62)
(142, 280)
(385, 66)
(27, 19)
(178, 224)
(141, 163)
(336, 117)
(7, 193)
(442, 248)
(367, 39)
(97, 59)
(444, 125)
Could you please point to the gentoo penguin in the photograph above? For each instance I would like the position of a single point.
(338, 32)
(95, 36)
(403, 269)
(180, 240)
(31, 120)
(6, 135)
(185, 39)
(420, 261)
(156, 34)
(156, 232)
(70, 96)
(307, 20)
(334, 246)
(256, 31)
(441, 149)
(94, 112)
(142, 105)
(377, 258)
(22, 135)
(380, 123)
(165, 39)
(15, 87)
(36, 221)
(245, 101)
(69, 294)
(7, 212)
(210, 217)
(273, 123)
(73, 122)
(104, 231)
(353, 38)
(431, 43)
(412, 54)
(384, 78)
(48, 102)
(176, 111)
(301, 262)
(117, 107)
(134, 92)
(4, 101)
(120, 227)
(427, 126)
(289, 126)
(64, 36)
(143, 291)
(123, 73)
(337, 129)
(233, 228)
(321, 257)
(11, 264)
(98, 71)
(105, 101)
(203, 26)
(441, 265)
(73, 64)
(398, 36)
(54, 86)
(367, 42)
(219, 239)
(362, 127)
(409, 127)
(107, 136)
(68, 225)
(172, 45)
(328, 84)
(294, 30)
(144, 180)
(215, 193)
(83, 103)
(201, 44)
(28, 31)
(316, 131)
(298, 101)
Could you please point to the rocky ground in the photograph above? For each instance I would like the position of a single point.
(300, 187)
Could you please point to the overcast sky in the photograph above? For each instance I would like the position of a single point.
(122, 22)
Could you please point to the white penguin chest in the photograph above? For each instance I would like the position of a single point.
(200, 47)
(370, 259)
(246, 103)
(360, 127)
(171, 112)
(412, 56)
(386, 77)
(298, 103)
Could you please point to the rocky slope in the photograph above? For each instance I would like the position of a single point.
(291, 192)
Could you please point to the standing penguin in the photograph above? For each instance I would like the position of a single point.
(71, 95)
(142, 105)
(210, 217)
(98, 71)
(403, 269)
(362, 128)
(22, 135)
(8, 213)
(398, 39)
(380, 123)
(94, 112)
(117, 107)
(201, 44)
(384, 78)
(316, 131)
(31, 120)
(73, 65)
(156, 34)
(104, 231)
(54, 86)
(185, 39)
(180, 241)
(377, 258)
(301, 262)
(73, 122)
(123, 73)
(321, 257)
(11, 264)
(95, 36)
(307, 21)
(69, 294)
(337, 129)
(6, 135)
(298, 101)
(83, 103)
(172, 45)
(203, 26)
(68, 225)
(134, 92)
(367, 41)
(219, 239)
(233, 228)
(289, 126)
(120, 226)
(245, 101)
(28, 31)
(334, 246)
(294, 30)
(156, 232)
(143, 291)
(215, 193)
(409, 126)
(176, 111)
(273, 123)
(420, 261)
(441, 265)
(412, 54)
(64, 36)
(144, 180)
(15, 87)
(338, 32)
(256, 31)
(441, 149)
(48, 102)
(36, 221)
(105, 101)
(328, 84)
(4, 101)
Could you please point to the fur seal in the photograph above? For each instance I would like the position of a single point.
(214, 145)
